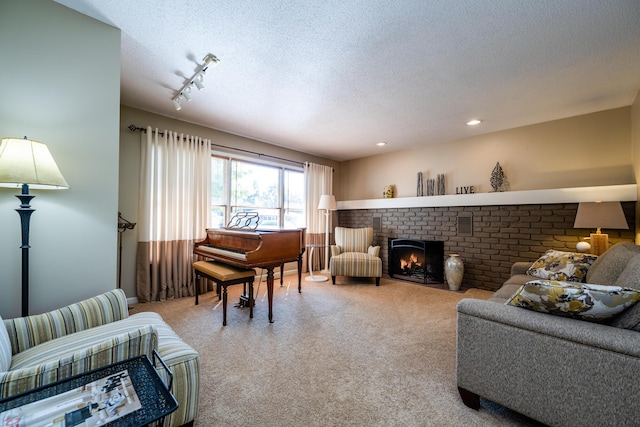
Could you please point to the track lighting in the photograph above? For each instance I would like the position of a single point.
(176, 102)
(197, 80)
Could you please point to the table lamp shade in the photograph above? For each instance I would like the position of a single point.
(23, 161)
(608, 215)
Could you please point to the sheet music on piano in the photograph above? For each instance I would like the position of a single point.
(244, 221)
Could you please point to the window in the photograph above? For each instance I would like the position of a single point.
(275, 192)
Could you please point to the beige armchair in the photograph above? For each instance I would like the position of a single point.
(353, 254)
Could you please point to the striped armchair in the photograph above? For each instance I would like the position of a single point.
(44, 348)
(353, 254)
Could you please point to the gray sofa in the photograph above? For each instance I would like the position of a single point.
(557, 370)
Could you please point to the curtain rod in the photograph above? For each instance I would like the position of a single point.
(134, 128)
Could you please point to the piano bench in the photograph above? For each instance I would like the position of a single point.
(224, 275)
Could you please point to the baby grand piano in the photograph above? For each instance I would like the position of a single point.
(268, 249)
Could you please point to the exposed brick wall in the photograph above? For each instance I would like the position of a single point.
(501, 236)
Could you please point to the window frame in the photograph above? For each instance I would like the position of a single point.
(227, 206)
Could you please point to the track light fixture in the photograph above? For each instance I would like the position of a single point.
(176, 102)
(197, 80)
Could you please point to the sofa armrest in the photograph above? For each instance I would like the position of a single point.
(520, 267)
(336, 250)
(120, 347)
(27, 332)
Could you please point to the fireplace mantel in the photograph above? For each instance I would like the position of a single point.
(608, 193)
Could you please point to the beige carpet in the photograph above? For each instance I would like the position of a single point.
(352, 354)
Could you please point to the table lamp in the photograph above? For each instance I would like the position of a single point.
(600, 215)
(25, 163)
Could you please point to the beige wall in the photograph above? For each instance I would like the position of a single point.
(635, 143)
(129, 169)
(588, 150)
(60, 84)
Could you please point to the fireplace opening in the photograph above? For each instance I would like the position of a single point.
(419, 261)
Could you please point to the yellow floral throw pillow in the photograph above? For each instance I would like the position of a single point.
(577, 300)
(559, 265)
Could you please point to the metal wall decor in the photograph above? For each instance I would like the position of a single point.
(497, 178)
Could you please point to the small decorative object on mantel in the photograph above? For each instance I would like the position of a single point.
(441, 184)
(387, 192)
(497, 178)
(420, 189)
(454, 270)
(466, 190)
(431, 185)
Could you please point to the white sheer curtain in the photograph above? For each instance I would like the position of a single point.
(174, 210)
(318, 181)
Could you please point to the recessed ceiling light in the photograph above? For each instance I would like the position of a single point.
(381, 144)
(474, 122)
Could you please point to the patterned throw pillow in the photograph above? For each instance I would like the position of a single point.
(577, 300)
(559, 265)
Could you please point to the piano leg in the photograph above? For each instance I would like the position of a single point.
(224, 305)
(270, 292)
(251, 300)
(300, 273)
(281, 274)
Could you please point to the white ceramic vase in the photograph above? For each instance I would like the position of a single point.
(454, 270)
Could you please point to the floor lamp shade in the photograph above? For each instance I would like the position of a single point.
(598, 215)
(327, 202)
(25, 163)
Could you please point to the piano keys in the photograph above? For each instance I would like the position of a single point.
(250, 249)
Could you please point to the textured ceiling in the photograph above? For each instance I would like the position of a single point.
(332, 78)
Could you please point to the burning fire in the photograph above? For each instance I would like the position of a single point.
(412, 262)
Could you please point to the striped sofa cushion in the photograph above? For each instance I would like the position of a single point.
(27, 332)
(5, 348)
(76, 353)
(354, 239)
(356, 264)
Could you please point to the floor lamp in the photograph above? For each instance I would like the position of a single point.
(328, 203)
(23, 164)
